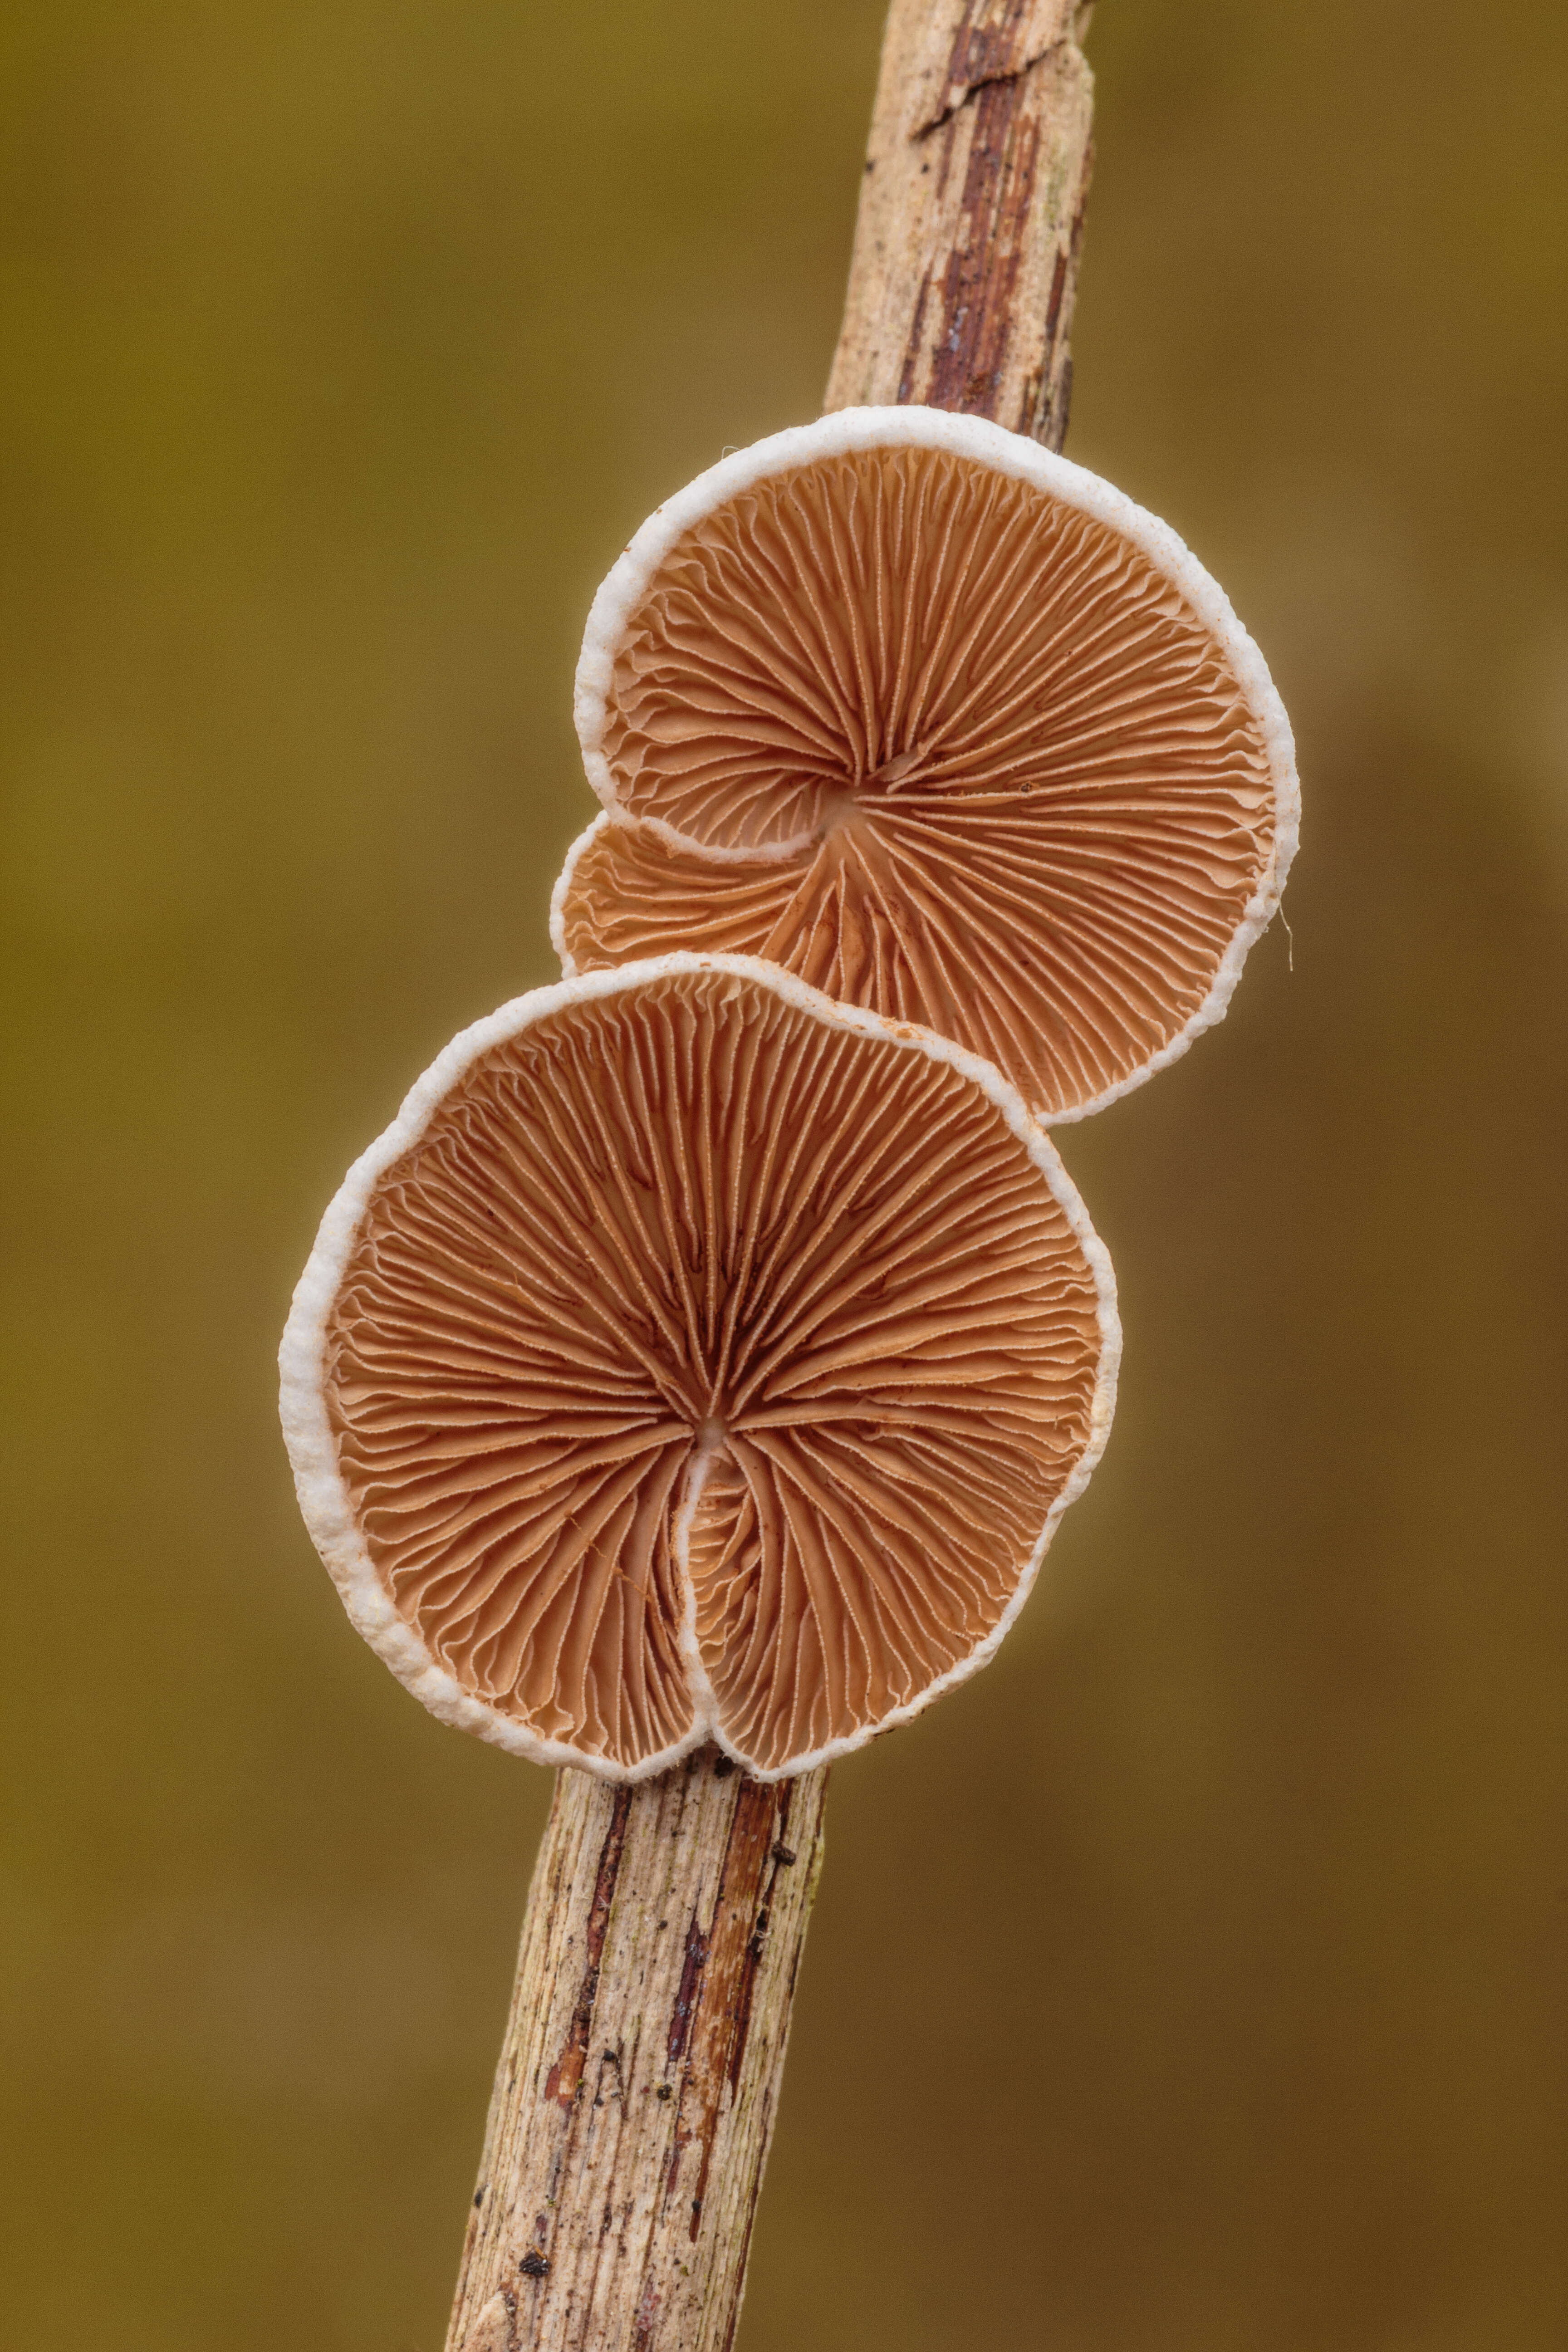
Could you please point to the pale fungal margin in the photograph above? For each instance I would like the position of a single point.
(950, 728)
(696, 1357)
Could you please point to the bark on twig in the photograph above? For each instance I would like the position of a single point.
(965, 264)
(638, 2080)
(635, 2093)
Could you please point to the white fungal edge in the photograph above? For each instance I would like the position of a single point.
(1013, 454)
(324, 1499)
(559, 895)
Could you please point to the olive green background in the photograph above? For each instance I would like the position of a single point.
(1197, 1979)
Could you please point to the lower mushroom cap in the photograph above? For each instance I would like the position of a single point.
(695, 1357)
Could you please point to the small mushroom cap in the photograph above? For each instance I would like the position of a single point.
(946, 726)
(696, 1357)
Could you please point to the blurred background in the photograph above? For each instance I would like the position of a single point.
(1197, 1979)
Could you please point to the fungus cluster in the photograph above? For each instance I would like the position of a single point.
(711, 1346)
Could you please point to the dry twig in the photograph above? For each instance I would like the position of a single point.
(639, 2076)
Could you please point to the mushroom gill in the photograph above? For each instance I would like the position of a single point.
(945, 743)
(710, 1361)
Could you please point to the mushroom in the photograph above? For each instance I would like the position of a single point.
(696, 1357)
(950, 728)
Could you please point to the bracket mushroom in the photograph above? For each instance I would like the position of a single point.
(948, 727)
(696, 1357)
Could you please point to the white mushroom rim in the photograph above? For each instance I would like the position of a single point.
(1087, 1066)
(329, 1508)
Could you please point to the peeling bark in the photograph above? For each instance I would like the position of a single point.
(639, 2081)
(966, 260)
(635, 2093)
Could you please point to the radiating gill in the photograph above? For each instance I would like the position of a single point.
(718, 1522)
(844, 808)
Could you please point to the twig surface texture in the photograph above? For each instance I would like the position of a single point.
(965, 264)
(638, 2082)
(636, 2093)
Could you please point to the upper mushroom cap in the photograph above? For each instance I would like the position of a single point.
(695, 1357)
(919, 710)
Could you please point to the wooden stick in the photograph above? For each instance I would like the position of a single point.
(639, 2077)
(635, 2093)
(965, 262)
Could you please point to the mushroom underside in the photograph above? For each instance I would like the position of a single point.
(710, 1367)
(945, 745)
